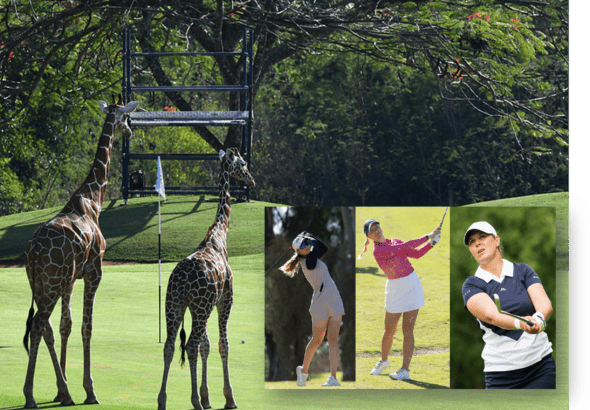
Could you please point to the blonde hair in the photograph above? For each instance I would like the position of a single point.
(364, 250)
(291, 267)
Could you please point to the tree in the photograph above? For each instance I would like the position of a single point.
(505, 58)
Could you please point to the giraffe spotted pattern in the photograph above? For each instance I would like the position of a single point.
(200, 282)
(68, 247)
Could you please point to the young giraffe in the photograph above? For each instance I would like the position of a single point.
(68, 247)
(200, 282)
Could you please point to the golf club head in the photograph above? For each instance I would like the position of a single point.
(497, 300)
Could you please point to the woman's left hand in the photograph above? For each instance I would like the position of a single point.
(533, 330)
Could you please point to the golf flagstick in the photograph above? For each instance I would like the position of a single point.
(161, 190)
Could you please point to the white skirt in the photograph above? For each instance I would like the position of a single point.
(404, 294)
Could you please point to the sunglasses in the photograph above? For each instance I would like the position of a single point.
(302, 246)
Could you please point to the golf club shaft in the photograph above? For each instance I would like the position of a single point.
(443, 218)
(278, 260)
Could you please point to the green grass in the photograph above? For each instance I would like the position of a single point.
(131, 230)
(315, 382)
(126, 356)
(432, 329)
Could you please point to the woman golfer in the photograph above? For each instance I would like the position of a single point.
(326, 305)
(403, 290)
(516, 355)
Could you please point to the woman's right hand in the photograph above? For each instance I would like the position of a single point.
(434, 233)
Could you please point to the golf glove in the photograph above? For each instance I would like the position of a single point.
(434, 240)
(540, 319)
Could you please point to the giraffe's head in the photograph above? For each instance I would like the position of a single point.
(232, 162)
(121, 114)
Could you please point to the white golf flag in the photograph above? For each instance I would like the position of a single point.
(160, 182)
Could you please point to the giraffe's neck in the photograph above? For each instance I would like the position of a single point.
(89, 197)
(218, 231)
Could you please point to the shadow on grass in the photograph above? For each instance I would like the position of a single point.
(14, 239)
(125, 222)
(426, 385)
(370, 271)
(44, 405)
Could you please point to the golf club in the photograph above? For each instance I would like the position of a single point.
(497, 300)
(278, 260)
(443, 218)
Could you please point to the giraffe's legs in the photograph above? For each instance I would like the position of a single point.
(192, 350)
(63, 396)
(65, 329)
(91, 282)
(204, 348)
(224, 310)
(41, 327)
(174, 316)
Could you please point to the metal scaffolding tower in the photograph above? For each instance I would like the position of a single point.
(242, 118)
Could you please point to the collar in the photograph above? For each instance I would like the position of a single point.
(387, 241)
(507, 270)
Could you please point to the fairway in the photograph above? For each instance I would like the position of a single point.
(430, 364)
(127, 360)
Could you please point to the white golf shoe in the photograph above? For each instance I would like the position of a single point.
(301, 377)
(401, 374)
(332, 381)
(380, 366)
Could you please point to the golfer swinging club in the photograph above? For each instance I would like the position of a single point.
(516, 355)
(326, 305)
(403, 290)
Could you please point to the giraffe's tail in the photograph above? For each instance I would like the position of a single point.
(31, 310)
(29, 325)
(182, 344)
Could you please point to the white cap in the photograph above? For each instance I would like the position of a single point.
(297, 242)
(479, 226)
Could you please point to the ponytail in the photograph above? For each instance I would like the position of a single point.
(291, 267)
(364, 250)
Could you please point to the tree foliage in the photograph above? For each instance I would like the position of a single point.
(504, 59)
(347, 129)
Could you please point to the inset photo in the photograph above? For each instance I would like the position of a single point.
(309, 298)
(503, 264)
(402, 298)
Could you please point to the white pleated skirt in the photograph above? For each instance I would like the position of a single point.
(404, 294)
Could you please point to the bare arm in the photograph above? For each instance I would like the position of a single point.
(483, 308)
(540, 300)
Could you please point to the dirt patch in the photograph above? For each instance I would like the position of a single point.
(417, 352)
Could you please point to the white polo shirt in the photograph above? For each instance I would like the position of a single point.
(507, 350)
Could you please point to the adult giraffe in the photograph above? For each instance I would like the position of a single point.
(68, 247)
(201, 281)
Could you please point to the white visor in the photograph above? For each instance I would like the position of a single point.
(297, 242)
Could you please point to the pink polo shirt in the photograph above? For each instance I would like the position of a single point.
(392, 256)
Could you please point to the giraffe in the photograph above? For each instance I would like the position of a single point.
(201, 281)
(68, 247)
